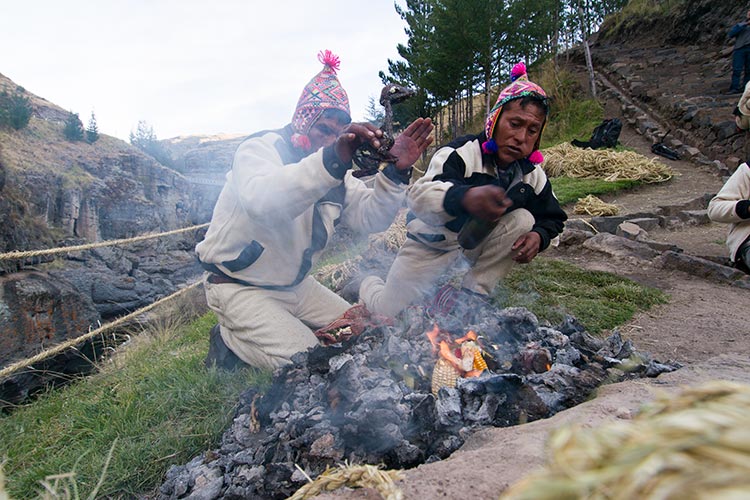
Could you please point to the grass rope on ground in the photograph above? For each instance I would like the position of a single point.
(567, 160)
(692, 445)
(591, 205)
(353, 476)
(52, 251)
(72, 342)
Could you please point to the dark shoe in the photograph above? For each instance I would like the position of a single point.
(219, 355)
(732, 92)
(350, 292)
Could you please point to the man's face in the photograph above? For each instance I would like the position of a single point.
(324, 132)
(516, 131)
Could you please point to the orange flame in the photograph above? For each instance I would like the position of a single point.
(452, 351)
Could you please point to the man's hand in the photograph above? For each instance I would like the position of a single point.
(353, 136)
(412, 142)
(526, 247)
(486, 202)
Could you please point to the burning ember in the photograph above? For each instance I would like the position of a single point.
(392, 395)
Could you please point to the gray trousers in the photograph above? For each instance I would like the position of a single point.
(266, 327)
(418, 267)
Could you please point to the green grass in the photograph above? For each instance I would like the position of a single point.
(569, 189)
(155, 401)
(599, 300)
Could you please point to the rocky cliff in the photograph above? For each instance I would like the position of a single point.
(54, 192)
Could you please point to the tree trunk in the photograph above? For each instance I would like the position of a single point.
(586, 50)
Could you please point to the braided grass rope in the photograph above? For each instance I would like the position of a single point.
(693, 445)
(354, 476)
(570, 161)
(52, 251)
(70, 343)
(591, 205)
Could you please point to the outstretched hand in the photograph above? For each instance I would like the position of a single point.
(412, 142)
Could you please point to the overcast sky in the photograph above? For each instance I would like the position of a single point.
(193, 66)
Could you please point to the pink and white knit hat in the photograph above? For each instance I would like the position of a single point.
(519, 87)
(324, 91)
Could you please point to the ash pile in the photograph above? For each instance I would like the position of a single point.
(402, 394)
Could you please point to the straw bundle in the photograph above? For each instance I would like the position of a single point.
(392, 238)
(567, 160)
(695, 445)
(338, 274)
(591, 205)
(354, 476)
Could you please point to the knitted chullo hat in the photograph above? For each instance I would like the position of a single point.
(322, 92)
(519, 88)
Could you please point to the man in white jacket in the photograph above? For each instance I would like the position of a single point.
(286, 192)
(732, 206)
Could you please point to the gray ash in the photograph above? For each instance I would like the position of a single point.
(369, 400)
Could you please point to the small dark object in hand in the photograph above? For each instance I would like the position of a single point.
(368, 158)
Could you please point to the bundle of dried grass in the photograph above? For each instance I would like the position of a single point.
(354, 476)
(694, 445)
(336, 275)
(392, 238)
(567, 160)
(591, 205)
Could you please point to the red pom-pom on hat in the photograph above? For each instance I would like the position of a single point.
(329, 59)
(517, 72)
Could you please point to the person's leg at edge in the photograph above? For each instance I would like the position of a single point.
(257, 324)
(746, 66)
(738, 64)
(413, 274)
(492, 260)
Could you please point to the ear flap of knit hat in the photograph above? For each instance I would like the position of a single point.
(519, 87)
(323, 91)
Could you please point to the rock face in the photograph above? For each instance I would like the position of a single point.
(61, 193)
(42, 309)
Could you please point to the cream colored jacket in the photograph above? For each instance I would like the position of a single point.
(743, 121)
(730, 206)
(277, 210)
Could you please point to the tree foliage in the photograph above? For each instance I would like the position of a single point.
(92, 131)
(144, 138)
(458, 49)
(73, 130)
(15, 109)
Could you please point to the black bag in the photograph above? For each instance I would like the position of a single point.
(605, 135)
(662, 149)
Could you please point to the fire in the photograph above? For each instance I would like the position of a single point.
(456, 358)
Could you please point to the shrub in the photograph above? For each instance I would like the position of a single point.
(73, 128)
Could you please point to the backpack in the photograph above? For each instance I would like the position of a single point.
(605, 135)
